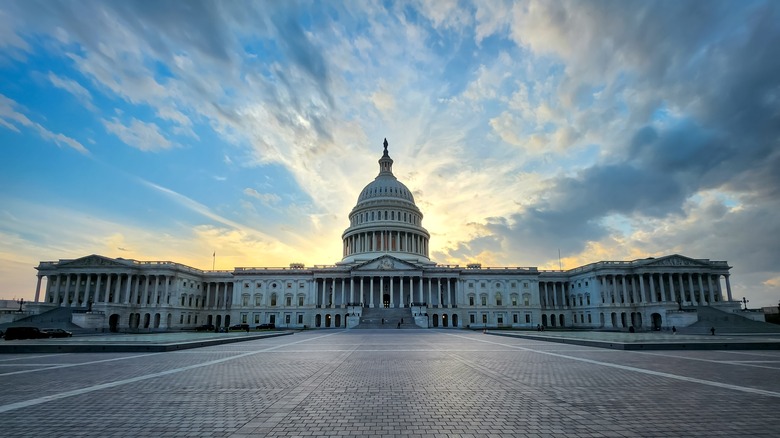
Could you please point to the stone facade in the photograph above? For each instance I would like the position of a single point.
(385, 264)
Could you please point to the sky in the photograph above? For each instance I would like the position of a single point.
(239, 134)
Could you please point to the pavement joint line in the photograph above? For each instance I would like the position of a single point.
(86, 390)
(70, 365)
(726, 362)
(635, 369)
(33, 357)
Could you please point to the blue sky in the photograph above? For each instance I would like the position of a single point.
(171, 130)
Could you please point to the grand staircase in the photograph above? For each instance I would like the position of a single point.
(373, 318)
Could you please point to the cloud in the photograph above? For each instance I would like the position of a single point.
(10, 118)
(140, 135)
(74, 88)
(265, 198)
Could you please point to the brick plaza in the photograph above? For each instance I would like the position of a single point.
(404, 383)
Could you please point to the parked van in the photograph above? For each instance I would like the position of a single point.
(24, 333)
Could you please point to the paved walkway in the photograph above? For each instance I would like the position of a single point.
(405, 383)
(651, 340)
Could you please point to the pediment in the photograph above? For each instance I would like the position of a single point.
(673, 260)
(90, 261)
(386, 263)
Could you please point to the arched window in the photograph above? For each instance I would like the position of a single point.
(499, 301)
(273, 299)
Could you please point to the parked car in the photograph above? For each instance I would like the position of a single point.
(205, 328)
(244, 327)
(24, 333)
(266, 326)
(57, 333)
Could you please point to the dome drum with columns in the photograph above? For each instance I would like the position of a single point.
(385, 221)
(385, 275)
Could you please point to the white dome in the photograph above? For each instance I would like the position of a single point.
(385, 220)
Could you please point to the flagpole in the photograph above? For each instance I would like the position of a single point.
(213, 260)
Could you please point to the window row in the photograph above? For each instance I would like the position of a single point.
(385, 215)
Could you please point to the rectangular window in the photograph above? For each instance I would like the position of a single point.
(244, 318)
(514, 300)
(515, 319)
(288, 301)
(300, 301)
(245, 300)
(472, 319)
(471, 301)
(500, 319)
(257, 318)
(300, 318)
(527, 318)
(484, 318)
(287, 318)
(258, 300)
(484, 301)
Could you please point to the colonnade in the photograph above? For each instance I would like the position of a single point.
(386, 291)
(386, 241)
(77, 289)
(689, 288)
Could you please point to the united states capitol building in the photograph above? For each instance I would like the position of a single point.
(384, 279)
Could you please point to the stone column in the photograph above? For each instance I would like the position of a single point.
(371, 291)
(728, 287)
(555, 294)
(128, 289)
(682, 287)
(663, 289)
(449, 293)
(693, 294)
(343, 293)
(652, 288)
(207, 303)
(108, 299)
(392, 295)
(166, 292)
(635, 297)
(709, 289)
(382, 291)
(702, 301)
(155, 291)
(401, 291)
(96, 296)
(66, 300)
(145, 296)
(87, 289)
(718, 287)
(118, 291)
(430, 288)
(351, 289)
(38, 288)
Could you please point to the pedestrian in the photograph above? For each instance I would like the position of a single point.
(712, 331)
(399, 324)
(674, 330)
